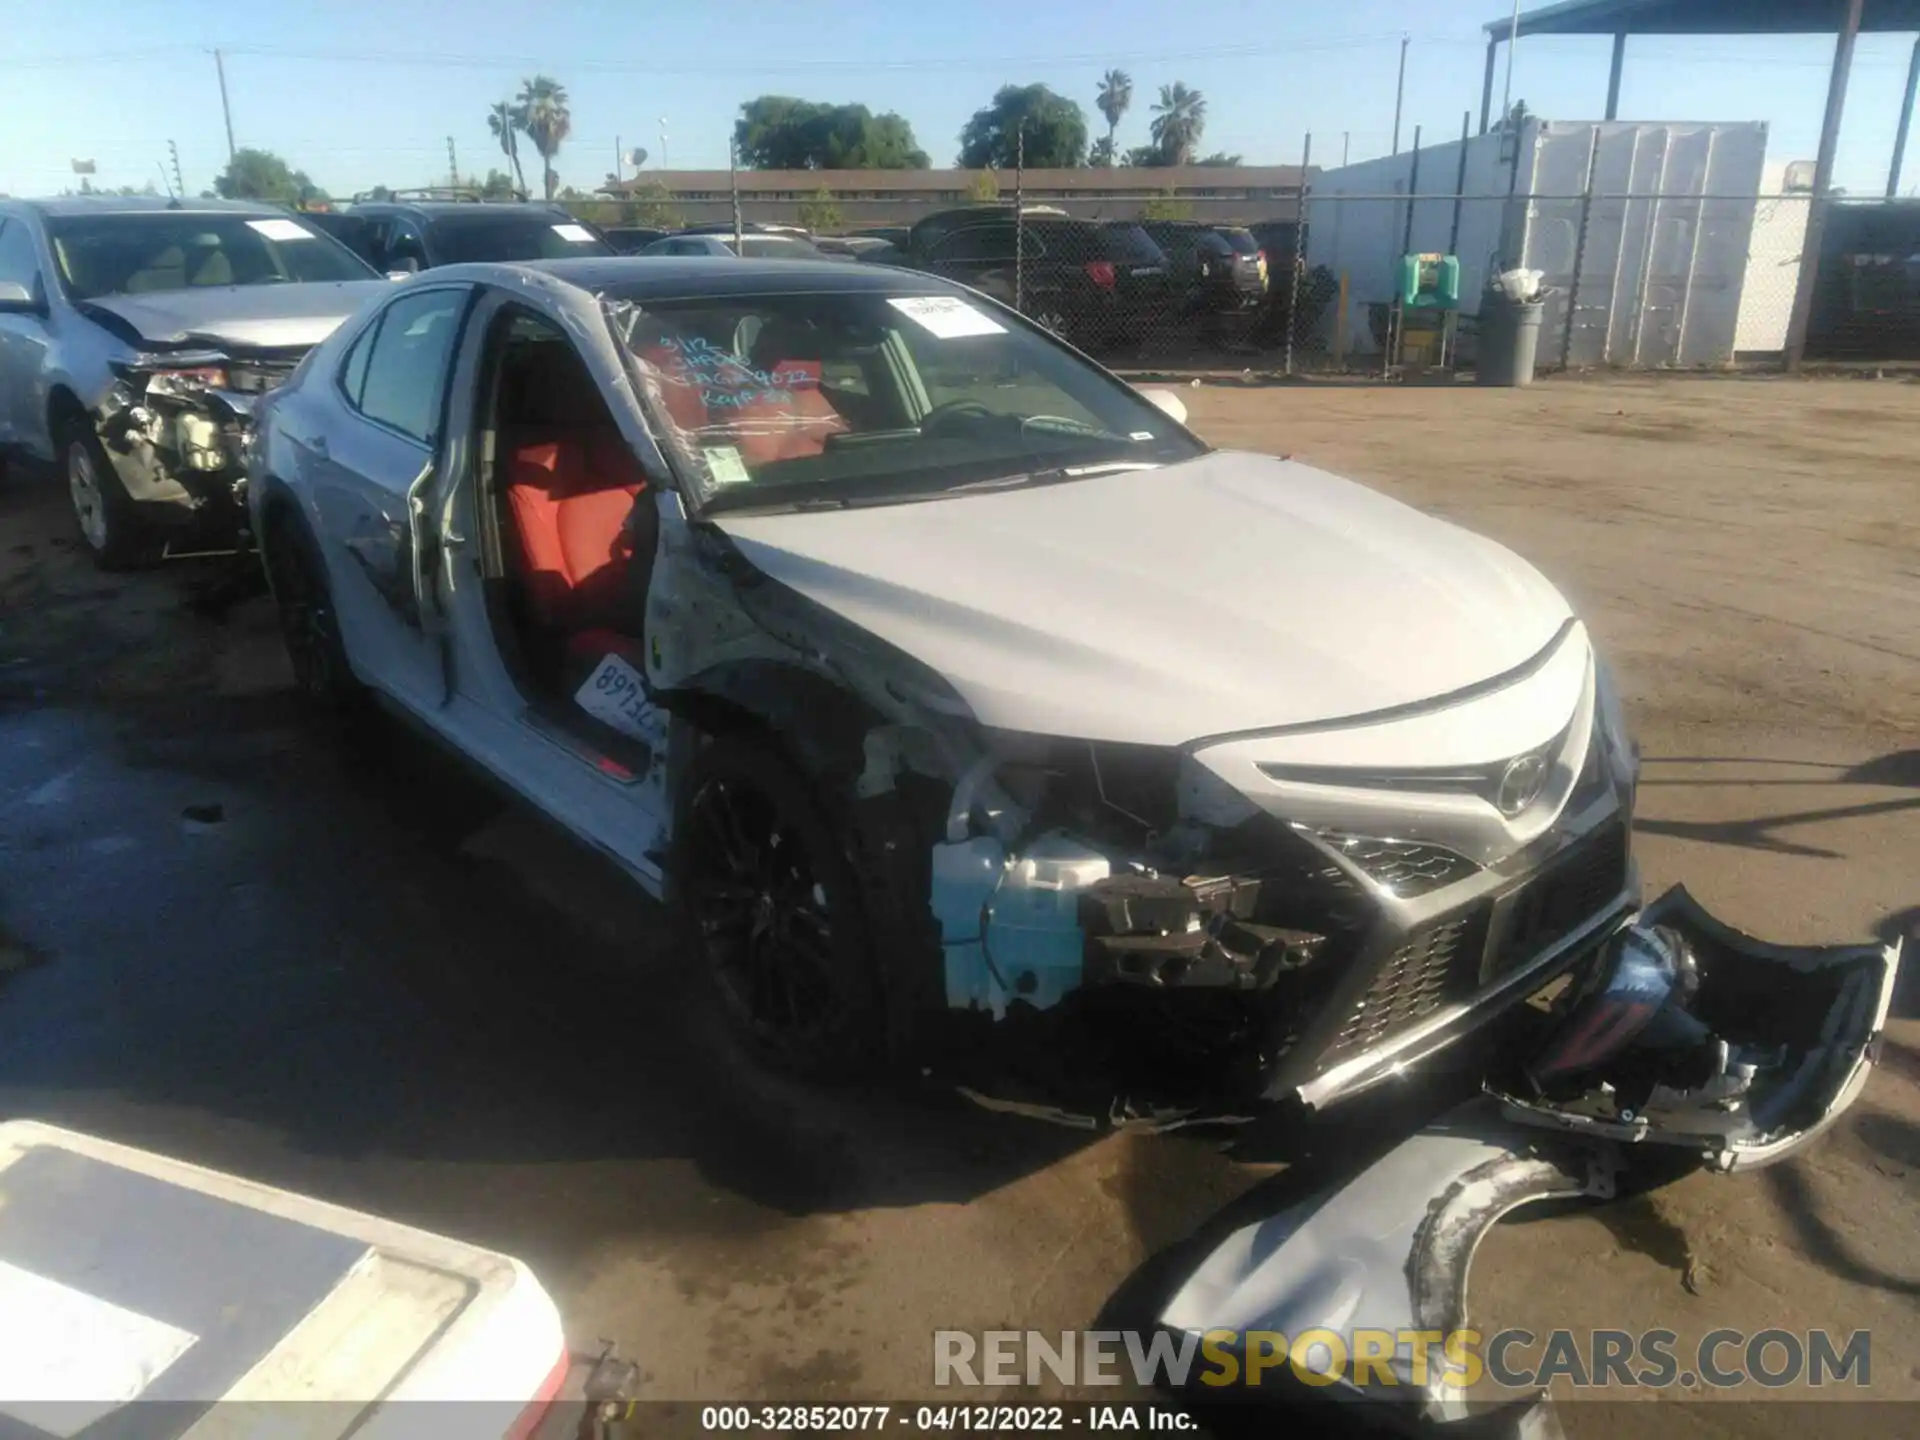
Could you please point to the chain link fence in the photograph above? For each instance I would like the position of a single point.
(1633, 280)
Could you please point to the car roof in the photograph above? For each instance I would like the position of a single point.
(675, 277)
(433, 209)
(62, 205)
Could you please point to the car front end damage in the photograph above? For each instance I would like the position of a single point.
(1141, 934)
(1102, 933)
(175, 426)
(1684, 1040)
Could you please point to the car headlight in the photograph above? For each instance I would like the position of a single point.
(1610, 723)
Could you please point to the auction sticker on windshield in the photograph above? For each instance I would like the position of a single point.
(280, 229)
(724, 465)
(575, 234)
(946, 317)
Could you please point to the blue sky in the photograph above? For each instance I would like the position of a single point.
(360, 93)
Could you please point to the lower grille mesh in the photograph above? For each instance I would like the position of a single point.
(1569, 892)
(1433, 966)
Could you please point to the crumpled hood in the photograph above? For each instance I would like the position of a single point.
(251, 316)
(1228, 593)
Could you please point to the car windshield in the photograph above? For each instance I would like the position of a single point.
(464, 239)
(149, 251)
(777, 247)
(1241, 241)
(1129, 245)
(850, 398)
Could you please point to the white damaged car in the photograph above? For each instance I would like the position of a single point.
(973, 713)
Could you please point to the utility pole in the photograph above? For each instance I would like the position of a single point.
(1802, 313)
(1346, 144)
(1906, 123)
(619, 174)
(226, 108)
(733, 184)
(453, 166)
(1400, 95)
(1513, 41)
(179, 185)
(664, 165)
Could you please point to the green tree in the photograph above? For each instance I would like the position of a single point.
(1143, 155)
(1167, 207)
(821, 213)
(652, 205)
(1178, 120)
(263, 175)
(498, 186)
(1100, 154)
(503, 121)
(1056, 130)
(983, 189)
(1218, 158)
(1114, 99)
(541, 112)
(778, 132)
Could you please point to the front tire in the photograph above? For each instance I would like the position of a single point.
(769, 901)
(110, 527)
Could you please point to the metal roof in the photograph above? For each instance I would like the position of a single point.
(1706, 17)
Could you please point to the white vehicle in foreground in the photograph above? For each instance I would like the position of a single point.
(972, 712)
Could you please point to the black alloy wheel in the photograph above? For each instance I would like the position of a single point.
(771, 904)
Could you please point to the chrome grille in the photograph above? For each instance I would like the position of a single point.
(1433, 966)
(1404, 867)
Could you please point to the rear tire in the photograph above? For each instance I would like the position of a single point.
(309, 625)
(769, 902)
(110, 527)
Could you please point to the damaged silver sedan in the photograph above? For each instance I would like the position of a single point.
(973, 714)
(135, 335)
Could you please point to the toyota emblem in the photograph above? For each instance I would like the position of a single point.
(1520, 784)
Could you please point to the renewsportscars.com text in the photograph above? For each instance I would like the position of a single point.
(1462, 1359)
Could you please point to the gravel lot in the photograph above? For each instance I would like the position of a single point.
(378, 987)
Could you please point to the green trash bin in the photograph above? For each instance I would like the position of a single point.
(1509, 338)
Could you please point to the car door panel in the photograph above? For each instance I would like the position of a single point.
(618, 807)
(373, 460)
(23, 341)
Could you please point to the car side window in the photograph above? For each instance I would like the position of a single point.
(18, 260)
(353, 372)
(976, 242)
(405, 373)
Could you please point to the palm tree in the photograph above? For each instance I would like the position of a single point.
(1116, 94)
(501, 120)
(541, 111)
(1177, 122)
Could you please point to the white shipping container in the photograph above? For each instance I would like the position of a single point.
(1668, 230)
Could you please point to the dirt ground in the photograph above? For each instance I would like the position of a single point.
(1747, 553)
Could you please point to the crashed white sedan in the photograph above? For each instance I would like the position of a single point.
(974, 714)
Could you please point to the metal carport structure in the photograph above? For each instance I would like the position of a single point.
(1845, 18)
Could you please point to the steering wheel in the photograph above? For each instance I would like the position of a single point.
(938, 418)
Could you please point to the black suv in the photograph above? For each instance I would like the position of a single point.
(1093, 284)
(395, 235)
(1215, 269)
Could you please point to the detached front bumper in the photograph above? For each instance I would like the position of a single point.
(1687, 1035)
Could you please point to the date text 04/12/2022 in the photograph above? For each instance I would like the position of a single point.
(991, 1419)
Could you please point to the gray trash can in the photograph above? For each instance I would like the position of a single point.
(1509, 339)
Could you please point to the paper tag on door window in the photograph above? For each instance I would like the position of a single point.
(725, 465)
(947, 317)
(574, 234)
(616, 695)
(280, 229)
